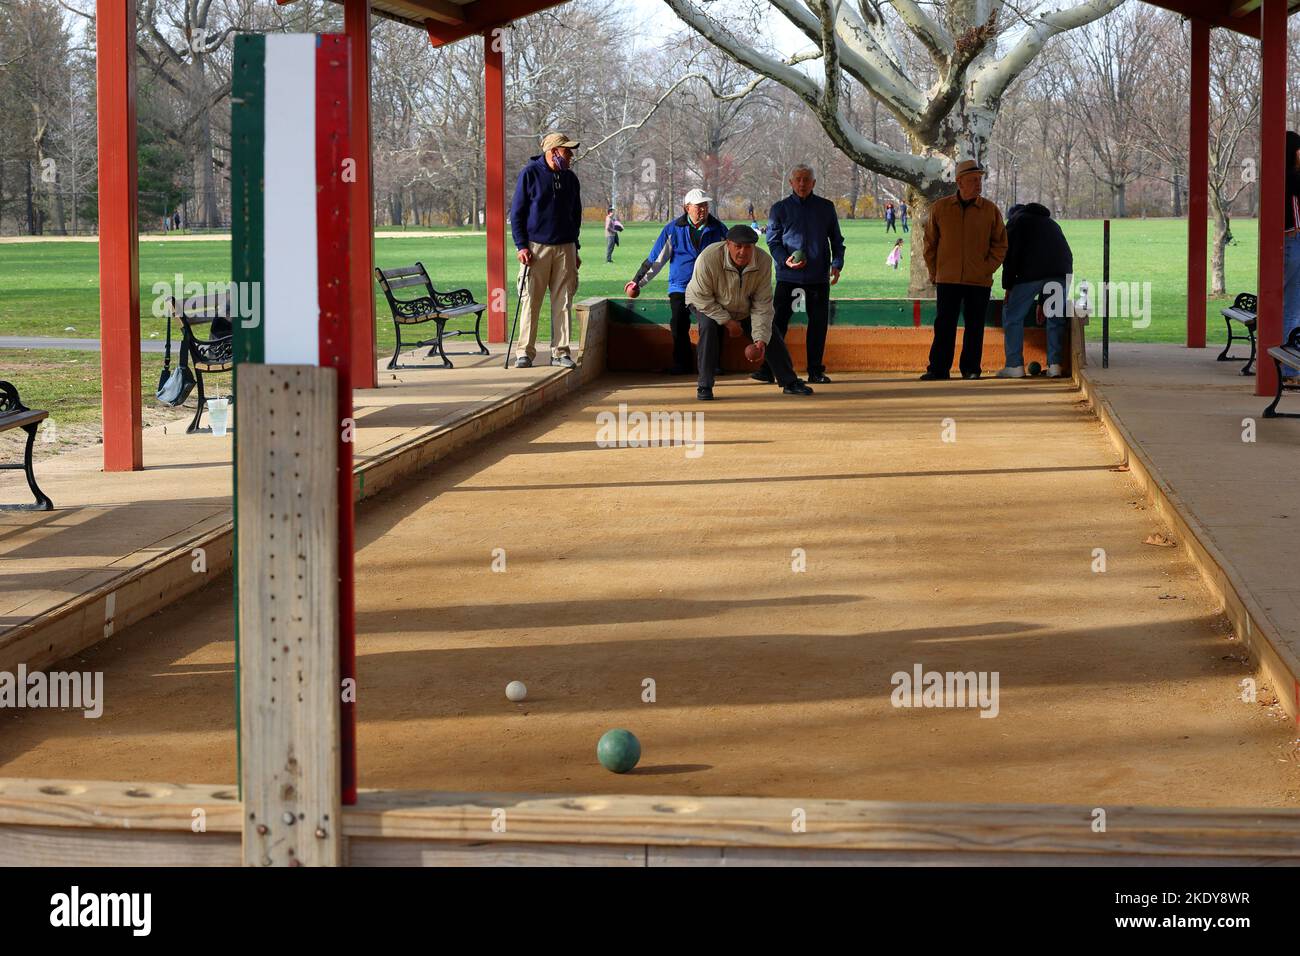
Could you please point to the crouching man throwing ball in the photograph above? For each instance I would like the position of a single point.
(731, 289)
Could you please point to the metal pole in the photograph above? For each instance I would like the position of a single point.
(1105, 293)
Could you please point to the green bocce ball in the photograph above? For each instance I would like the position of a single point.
(618, 750)
(1034, 369)
(798, 256)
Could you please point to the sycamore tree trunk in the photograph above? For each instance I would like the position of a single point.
(1222, 236)
(947, 108)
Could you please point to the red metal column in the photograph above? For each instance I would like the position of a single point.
(1272, 187)
(361, 262)
(119, 243)
(1198, 182)
(494, 99)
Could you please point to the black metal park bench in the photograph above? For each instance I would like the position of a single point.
(1288, 354)
(433, 306)
(14, 414)
(1242, 311)
(211, 355)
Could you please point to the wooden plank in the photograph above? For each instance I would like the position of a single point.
(52, 846)
(288, 615)
(161, 580)
(112, 805)
(382, 852)
(697, 856)
(830, 824)
(69, 821)
(1277, 663)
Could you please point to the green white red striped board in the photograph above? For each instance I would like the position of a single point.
(290, 145)
(289, 126)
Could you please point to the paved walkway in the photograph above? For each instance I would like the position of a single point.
(108, 524)
(1189, 414)
(75, 345)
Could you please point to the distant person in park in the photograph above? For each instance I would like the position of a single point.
(890, 215)
(1038, 259)
(679, 244)
(895, 255)
(1291, 249)
(803, 235)
(167, 223)
(902, 216)
(731, 289)
(546, 219)
(176, 221)
(965, 242)
(751, 211)
(612, 228)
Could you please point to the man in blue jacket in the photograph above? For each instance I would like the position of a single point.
(679, 243)
(803, 235)
(546, 218)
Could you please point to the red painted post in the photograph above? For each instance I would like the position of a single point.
(361, 261)
(494, 100)
(1198, 181)
(119, 241)
(1272, 187)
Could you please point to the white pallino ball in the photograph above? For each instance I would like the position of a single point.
(516, 690)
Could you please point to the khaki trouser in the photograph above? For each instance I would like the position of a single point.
(554, 270)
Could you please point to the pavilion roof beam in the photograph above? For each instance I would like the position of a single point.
(484, 15)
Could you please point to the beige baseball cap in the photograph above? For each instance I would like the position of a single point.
(696, 197)
(555, 140)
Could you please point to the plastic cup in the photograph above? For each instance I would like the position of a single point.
(218, 413)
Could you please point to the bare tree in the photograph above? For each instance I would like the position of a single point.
(946, 107)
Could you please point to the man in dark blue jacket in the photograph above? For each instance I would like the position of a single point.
(1038, 261)
(680, 241)
(803, 234)
(546, 218)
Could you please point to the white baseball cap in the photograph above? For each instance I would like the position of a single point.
(696, 197)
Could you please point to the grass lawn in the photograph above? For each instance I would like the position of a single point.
(65, 382)
(47, 288)
(51, 289)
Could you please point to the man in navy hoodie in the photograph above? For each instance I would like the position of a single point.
(679, 243)
(803, 235)
(546, 218)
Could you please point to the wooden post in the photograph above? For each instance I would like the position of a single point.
(361, 259)
(295, 647)
(119, 241)
(1272, 188)
(1198, 181)
(495, 197)
(287, 529)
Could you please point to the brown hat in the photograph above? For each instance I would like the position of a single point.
(969, 166)
(555, 140)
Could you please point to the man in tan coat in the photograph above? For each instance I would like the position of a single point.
(731, 289)
(965, 242)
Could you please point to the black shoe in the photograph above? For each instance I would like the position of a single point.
(818, 378)
(704, 394)
(971, 375)
(928, 376)
(765, 377)
(796, 387)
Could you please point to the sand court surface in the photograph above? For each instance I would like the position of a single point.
(771, 583)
